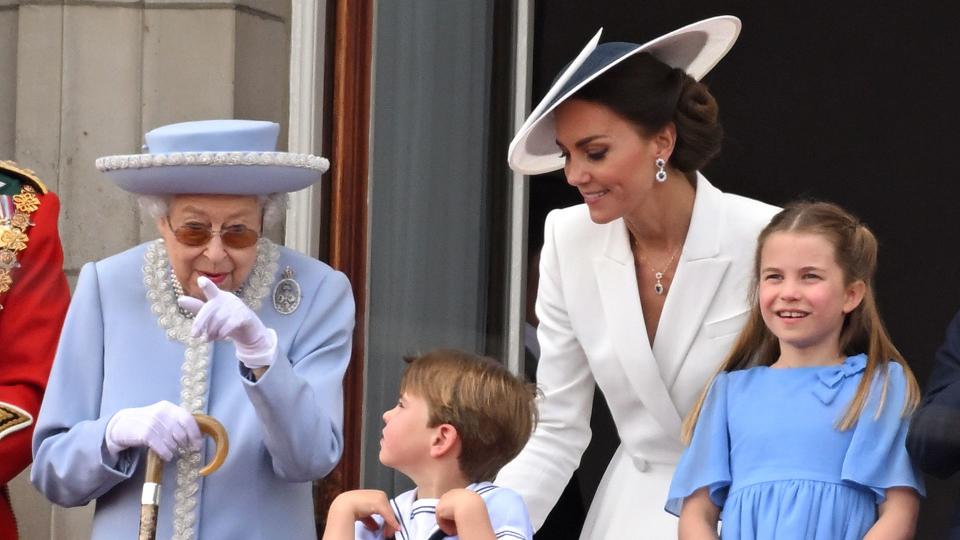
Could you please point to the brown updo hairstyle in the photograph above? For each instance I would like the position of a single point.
(651, 94)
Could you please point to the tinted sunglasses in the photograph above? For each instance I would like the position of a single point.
(195, 234)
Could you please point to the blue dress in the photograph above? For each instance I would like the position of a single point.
(767, 449)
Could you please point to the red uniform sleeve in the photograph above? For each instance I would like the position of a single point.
(33, 312)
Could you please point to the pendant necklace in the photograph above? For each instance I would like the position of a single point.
(658, 274)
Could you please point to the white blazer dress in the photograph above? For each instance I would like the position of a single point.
(592, 332)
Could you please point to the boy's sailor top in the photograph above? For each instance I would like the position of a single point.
(33, 301)
(418, 520)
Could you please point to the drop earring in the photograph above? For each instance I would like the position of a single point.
(661, 172)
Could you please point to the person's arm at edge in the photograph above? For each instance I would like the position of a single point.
(34, 309)
(698, 517)
(933, 442)
(897, 515)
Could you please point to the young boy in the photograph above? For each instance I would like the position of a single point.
(459, 419)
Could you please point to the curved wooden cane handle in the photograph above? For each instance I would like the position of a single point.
(150, 498)
(211, 427)
(218, 433)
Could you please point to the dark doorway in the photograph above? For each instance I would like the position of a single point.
(851, 102)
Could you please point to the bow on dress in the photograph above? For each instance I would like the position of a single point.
(831, 379)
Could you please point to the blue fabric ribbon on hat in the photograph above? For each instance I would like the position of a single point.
(831, 379)
(598, 61)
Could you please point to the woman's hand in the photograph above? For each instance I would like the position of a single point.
(225, 316)
(359, 505)
(163, 427)
(462, 513)
(698, 517)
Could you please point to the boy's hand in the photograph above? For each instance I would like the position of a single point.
(360, 505)
(463, 513)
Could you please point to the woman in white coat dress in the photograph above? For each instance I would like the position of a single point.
(644, 287)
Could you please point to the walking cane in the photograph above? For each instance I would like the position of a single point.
(150, 499)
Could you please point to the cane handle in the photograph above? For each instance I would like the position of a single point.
(218, 433)
(211, 427)
(150, 499)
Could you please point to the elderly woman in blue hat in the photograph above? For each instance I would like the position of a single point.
(211, 318)
(644, 287)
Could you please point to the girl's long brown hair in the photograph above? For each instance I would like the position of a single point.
(855, 250)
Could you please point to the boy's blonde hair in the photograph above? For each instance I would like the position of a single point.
(492, 410)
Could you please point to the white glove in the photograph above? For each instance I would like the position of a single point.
(163, 427)
(224, 316)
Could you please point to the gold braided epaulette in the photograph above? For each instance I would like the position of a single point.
(13, 231)
(13, 418)
(23, 173)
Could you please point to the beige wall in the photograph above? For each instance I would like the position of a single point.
(90, 78)
(8, 85)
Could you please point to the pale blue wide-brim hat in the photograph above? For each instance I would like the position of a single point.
(695, 48)
(228, 157)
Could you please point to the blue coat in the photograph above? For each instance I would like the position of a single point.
(934, 441)
(285, 429)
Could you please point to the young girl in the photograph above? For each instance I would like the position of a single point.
(801, 434)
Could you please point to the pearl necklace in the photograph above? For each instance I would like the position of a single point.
(162, 290)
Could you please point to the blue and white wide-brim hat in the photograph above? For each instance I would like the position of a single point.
(228, 157)
(695, 48)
